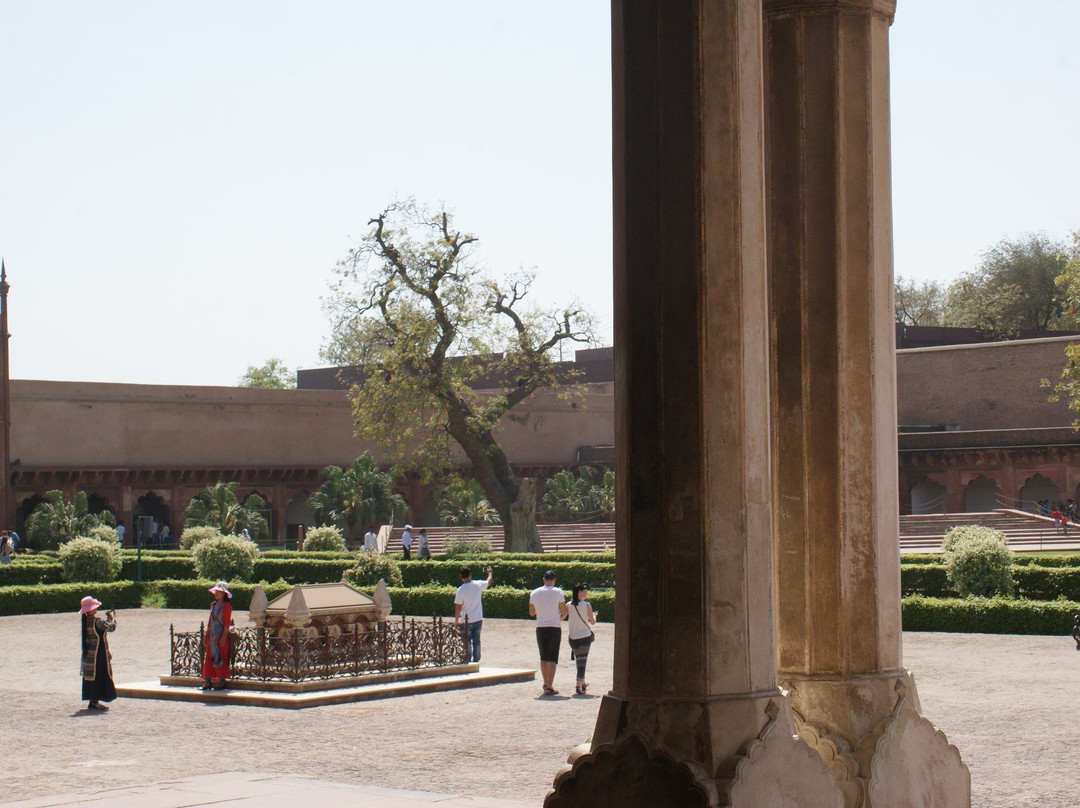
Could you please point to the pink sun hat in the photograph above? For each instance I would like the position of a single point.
(89, 603)
(220, 586)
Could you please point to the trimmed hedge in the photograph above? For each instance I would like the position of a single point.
(303, 569)
(516, 574)
(1047, 583)
(56, 598)
(989, 615)
(18, 573)
(925, 579)
(194, 594)
(499, 602)
(175, 566)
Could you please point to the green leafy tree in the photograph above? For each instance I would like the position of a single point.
(271, 375)
(217, 506)
(412, 310)
(57, 520)
(1014, 289)
(361, 494)
(462, 503)
(1068, 384)
(918, 303)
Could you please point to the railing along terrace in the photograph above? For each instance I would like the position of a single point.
(301, 654)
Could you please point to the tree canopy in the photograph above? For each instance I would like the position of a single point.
(919, 303)
(445, 350)
(1014, 289)
(271, 375)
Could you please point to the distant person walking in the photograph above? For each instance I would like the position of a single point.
(371, 539)
(216, 658)
(406, 543)
(120, 531)
(423, 550)
(469, 606)
(7, 547)
(579, 622)
(96, 665)
(547, 605)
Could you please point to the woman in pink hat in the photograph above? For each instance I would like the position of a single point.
(216, 660)
(97, 682)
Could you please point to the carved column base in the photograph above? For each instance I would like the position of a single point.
(881, 750)
(726, 753)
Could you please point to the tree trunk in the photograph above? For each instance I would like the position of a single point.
(520, 534)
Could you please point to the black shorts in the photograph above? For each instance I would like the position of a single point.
(548, 641)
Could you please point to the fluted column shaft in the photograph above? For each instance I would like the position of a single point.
(695, 618)
(834, 408)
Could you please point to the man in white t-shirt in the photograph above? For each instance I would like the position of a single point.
(406, 543)
(469, 605)
(548, 606)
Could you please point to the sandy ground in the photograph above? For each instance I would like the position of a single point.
(1004, 701)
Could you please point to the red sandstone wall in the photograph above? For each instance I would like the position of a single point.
(85, 424)
(985, 386)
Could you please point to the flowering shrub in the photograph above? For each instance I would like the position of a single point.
(324, 539)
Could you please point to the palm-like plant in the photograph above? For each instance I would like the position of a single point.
(361, 494)
(217, 506)
(572, 499)
(56, 521)
(462, 502)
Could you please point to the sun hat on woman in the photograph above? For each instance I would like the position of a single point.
(89, 603)
(222, 587)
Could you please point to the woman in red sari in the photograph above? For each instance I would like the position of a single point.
(216, 659)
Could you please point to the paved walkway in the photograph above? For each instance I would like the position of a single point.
(1004, 701)
(245, 790)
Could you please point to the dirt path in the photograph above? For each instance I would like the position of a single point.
(1001, 700)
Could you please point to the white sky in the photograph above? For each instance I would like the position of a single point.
(177, 180)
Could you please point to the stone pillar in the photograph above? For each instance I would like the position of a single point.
(695, 717)
(834, 406)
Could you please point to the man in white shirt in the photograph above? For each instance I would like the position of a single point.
(406, 543)
(548, 606)
(371, 539)
(469, 604)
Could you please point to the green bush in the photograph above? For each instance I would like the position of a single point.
(370, 567)
(978, 561)
(461, 545)
(324, 539)
(86, 559)
(1046, 559)
(191, 536)
(225, 558)
(105, 533)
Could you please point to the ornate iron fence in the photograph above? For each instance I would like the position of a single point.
(306, 653)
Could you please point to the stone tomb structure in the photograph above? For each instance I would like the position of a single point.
(758, 647)
(325, 636)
